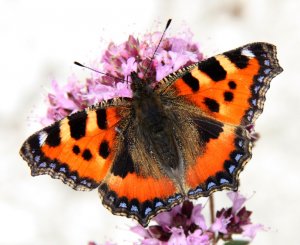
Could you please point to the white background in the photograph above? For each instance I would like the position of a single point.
(39, 40)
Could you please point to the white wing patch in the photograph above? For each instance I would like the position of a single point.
(247, 52)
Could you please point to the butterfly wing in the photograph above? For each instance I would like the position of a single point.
(77, 149)
(135, 186)
(98, 147)
(229, 89)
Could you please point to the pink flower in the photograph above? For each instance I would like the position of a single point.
(237, 200)
(250, 230)
(129, 67)
(165, 219)
(198, 218)
(235, 220)
(220, 224)
(198, 238)
(140, 230)
(184, 224)
(119, 60)
(178, 237)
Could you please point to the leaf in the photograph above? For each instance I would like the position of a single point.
(237, 242)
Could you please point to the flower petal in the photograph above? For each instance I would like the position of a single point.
(178, 237)
(237, 199)
(198, 238)
(250, 230)
(197, 217)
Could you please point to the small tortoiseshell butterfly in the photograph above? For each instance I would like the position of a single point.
(185, 138)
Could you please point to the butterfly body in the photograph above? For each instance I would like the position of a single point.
(154, 118)
(185, 137)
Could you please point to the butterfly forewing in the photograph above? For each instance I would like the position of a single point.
(230, 87)
(77, 149)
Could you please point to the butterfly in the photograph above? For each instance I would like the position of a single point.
(185, 137)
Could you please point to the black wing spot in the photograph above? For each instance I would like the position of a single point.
(33, 142)
(123, 163)
(53, 132)
(228, 96)
(232, 85)
(104, 149)
(77, 123)
(101, 118)
(87, 155)
(213, 69)
(212, 104)
(236, 57)
(208, 129)
(191, 81)
(76, 149)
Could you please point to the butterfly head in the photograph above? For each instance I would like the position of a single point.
(139, 86)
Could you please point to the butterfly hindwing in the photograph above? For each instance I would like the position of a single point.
(224, 156)
(133, 186)
(139, 197)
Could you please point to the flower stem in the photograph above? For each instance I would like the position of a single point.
(212, 215)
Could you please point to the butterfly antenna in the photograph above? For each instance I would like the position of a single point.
(106, 74)
(162, 36)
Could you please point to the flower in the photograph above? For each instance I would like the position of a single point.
(118, 61)
(237, 200)
(235, 220)
(250, 230)
(184, 224)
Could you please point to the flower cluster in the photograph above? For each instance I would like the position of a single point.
(118, 61)
(186, 224)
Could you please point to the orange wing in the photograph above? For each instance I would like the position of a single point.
(78, 149)
(135, 186)
(229, 87)
(93, 148)
(139, 197)
(229, 91)
(218, 167)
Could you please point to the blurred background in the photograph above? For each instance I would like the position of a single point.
(39, 40)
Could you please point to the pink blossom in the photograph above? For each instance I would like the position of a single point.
(250, 230)
(165, 219)
(198, 238)
(140, 230)
(129, 66)
(178, 237)
(179, 226)
(198, 218)
(237, 200)
(119, 60)
(220, 224)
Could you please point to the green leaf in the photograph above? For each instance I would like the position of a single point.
(237, 242)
